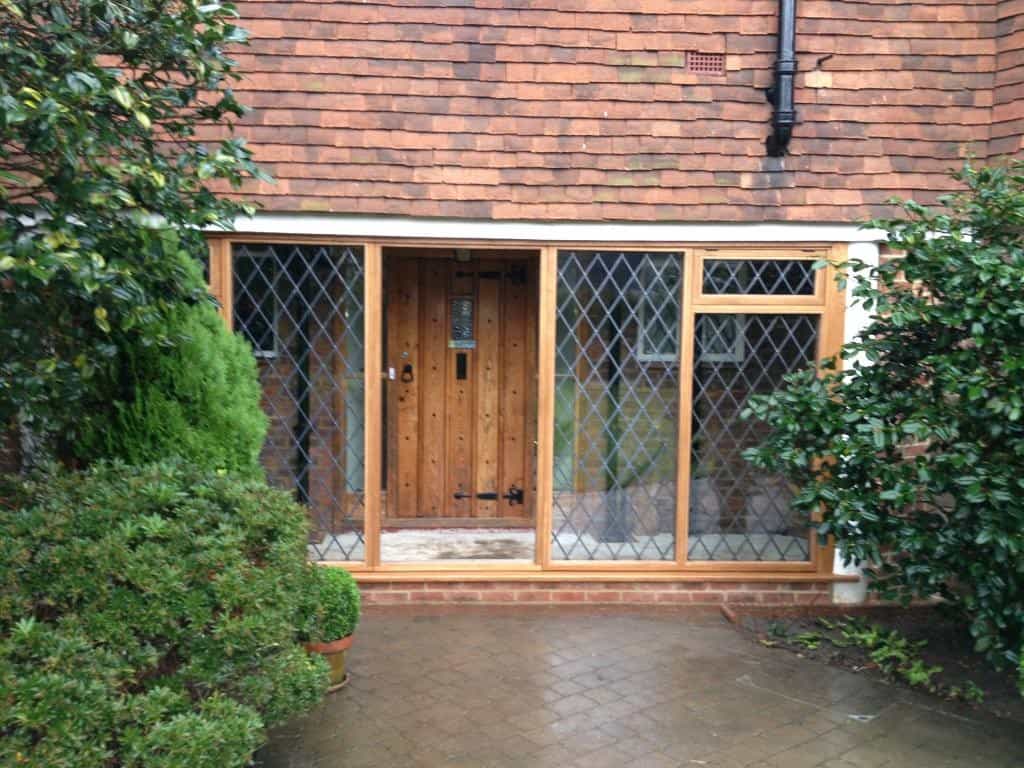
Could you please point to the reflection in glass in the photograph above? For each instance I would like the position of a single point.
(616, 405)
(301, 306)
(764, 277)
(736, 512)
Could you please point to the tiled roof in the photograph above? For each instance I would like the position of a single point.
(577, 110)
(1008, 96)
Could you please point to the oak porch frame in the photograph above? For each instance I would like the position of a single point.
(827, 302)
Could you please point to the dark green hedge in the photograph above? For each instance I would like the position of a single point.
(148, 618)
(924, 425)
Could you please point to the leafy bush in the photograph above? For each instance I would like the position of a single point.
(105, 187)
(147, 618)
(1020, 671)
(332, 602)
(924, 429)
(198, 399)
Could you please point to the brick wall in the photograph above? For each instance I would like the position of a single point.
(1007, 132)
(589, 593)
(587, 110)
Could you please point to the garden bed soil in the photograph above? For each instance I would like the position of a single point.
(948, 645)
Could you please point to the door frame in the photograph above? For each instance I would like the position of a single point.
(829, 305)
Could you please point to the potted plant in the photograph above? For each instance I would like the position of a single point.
(329, 617)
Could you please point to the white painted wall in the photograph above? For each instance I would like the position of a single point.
(851, 593)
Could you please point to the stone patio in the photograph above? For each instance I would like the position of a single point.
(602, 688)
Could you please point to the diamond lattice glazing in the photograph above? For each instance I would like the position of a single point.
(764, 277)
(735, 512)
(301, 307)
(616, 402)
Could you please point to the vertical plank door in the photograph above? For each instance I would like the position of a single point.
(461, 411)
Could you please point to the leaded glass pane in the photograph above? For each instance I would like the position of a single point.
(302, 308)
(255, 309)
(616, 405)
(462, 320)
(737, 512)
(763, 277)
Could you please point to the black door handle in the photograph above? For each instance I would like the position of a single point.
(407, 373)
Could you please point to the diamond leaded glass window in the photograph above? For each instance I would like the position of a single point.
(616, 405)
(301, 307)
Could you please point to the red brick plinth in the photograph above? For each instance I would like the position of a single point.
(590, 593)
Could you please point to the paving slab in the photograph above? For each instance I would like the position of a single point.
(607, 687)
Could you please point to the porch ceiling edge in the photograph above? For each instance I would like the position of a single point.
(551, 233)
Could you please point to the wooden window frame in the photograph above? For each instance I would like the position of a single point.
(801, 253)
(828, 302)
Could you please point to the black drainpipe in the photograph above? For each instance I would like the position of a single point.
(781, 93)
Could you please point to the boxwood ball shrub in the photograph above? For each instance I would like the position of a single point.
(922, 432)
(332, 603)
(147, 618)
(195, 396)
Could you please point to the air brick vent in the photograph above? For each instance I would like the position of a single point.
(705, 63)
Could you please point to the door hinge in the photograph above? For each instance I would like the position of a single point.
(514, 495)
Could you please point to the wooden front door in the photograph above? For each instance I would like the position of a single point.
(461, 408)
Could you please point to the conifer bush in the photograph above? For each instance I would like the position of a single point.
(196, 397)
(148, 618)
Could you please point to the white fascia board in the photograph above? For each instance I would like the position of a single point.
(550, 232)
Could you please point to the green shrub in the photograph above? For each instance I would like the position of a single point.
(940, 366)
(147, 618)
(107, 187)
(196, 396)
(331, 609)
(1020, 671)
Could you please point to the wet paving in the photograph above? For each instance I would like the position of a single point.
(601, 688)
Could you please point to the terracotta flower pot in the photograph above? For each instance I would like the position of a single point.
(334, 652)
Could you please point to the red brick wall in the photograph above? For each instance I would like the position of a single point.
(1007, 135)
(610, 593)
(583, 110)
